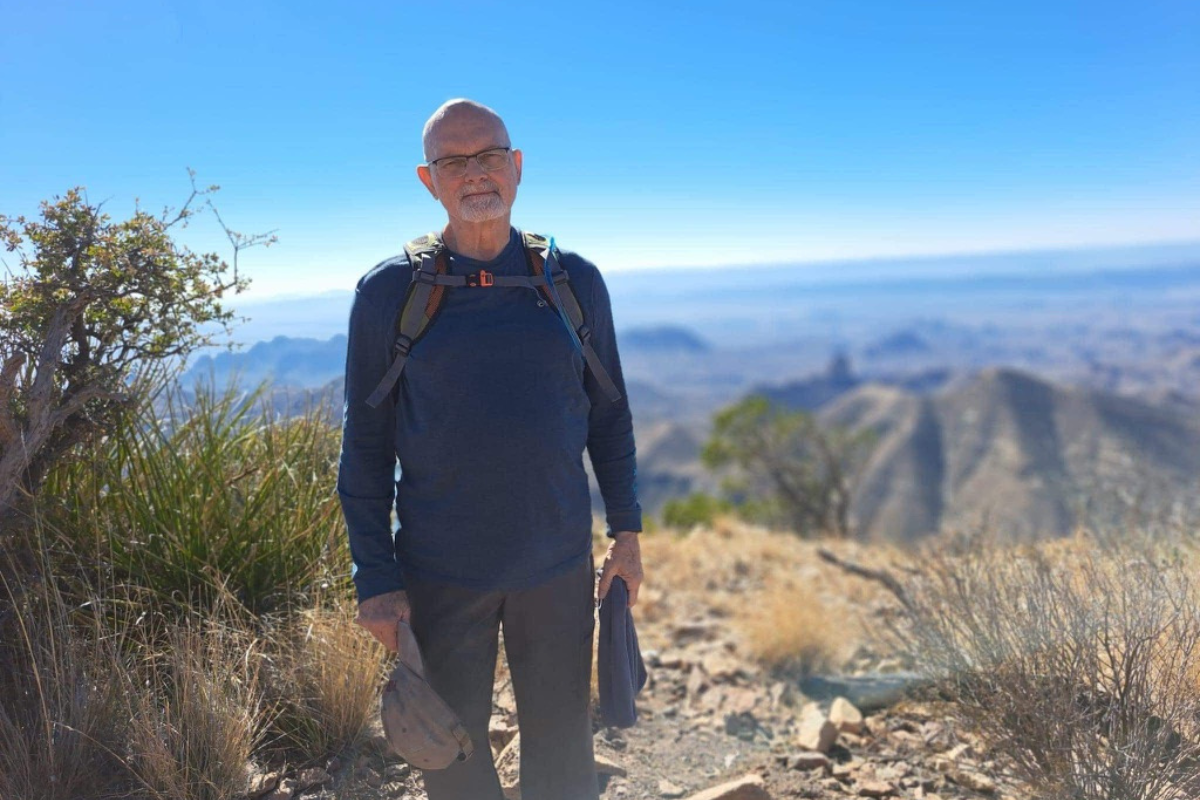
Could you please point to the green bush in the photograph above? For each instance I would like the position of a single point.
(784, 468)
(88, 320)
(697, 508)
(187, 501)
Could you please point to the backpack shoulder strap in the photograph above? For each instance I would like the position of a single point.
(426, 296)
(430, 242)
(542, 256)
(422, 302)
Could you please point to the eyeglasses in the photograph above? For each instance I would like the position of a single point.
(490, 160)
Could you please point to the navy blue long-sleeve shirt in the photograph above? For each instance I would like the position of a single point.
(495, 409)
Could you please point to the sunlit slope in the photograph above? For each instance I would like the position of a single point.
(1033, 457)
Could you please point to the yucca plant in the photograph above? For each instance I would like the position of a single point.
(182, 497)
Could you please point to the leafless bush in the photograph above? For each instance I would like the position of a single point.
(1080, 665)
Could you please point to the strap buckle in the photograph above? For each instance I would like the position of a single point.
(481, 278)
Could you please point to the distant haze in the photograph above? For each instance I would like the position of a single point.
(751, 303)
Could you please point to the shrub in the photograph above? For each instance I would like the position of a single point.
(105, 698)
(697, 508)
(95, 312)
(1080, 669)
(792, 630)
(786, 469)
(62, 698)
(203, 712)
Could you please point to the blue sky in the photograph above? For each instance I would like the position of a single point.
(654, 134)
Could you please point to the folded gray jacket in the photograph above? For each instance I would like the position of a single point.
(622, 673)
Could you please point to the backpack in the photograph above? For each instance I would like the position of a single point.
(426, 297)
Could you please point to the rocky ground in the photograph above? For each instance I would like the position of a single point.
(715, 723)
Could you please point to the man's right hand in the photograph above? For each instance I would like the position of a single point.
(381, 614)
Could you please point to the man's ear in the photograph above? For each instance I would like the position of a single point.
(517, 156)
(427, 178)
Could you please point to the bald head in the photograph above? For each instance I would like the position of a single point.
(459, 114)
(484, 192)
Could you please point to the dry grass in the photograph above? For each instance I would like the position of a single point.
(194, 736)
(104, 695)
(103, 698)
(785, 607)
(791, 629)
(327, 680)
(63, 693)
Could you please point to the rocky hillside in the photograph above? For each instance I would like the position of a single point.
(1024, 455)
(1029, 457)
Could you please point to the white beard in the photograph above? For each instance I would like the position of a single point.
(481, 208)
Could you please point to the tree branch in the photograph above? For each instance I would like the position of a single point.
(9, 428)
(880, 576)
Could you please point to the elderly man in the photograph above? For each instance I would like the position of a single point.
(489, 418)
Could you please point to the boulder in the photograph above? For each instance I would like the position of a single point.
(816, 732)
(845, 716)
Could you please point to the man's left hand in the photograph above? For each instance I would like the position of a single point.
(624, 558)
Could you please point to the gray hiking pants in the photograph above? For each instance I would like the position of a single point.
(548, 641)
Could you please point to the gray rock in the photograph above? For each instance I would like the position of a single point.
(867, 692)
(308, 778)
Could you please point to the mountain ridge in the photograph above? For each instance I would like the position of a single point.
(1028, 455)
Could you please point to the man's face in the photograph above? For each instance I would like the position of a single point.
(477, 195)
